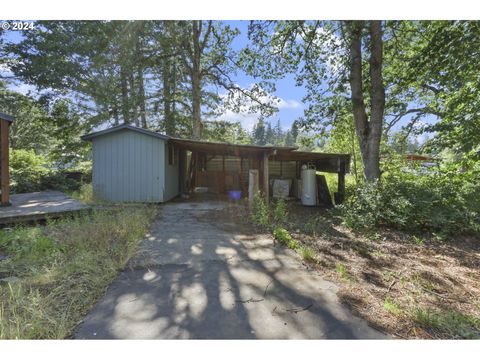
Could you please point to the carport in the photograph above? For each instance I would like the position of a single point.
(223, 166)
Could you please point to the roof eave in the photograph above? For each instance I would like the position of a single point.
(93, 135)
(6, 117)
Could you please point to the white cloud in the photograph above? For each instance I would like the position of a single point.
(247, 121)
(289, 104)
(22, 88)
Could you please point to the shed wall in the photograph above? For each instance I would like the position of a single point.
(128, 167)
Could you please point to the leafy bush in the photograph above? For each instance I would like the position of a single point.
(443, 203)
(31, 172)
(26, 170)
(284, 237)
(260, 211)
(58, 181)
(280, 212)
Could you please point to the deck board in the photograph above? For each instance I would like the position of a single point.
(38, 206)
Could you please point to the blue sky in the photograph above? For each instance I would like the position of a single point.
(290, 107)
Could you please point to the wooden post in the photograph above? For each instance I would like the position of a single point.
(252, 184)
(182, 171)
(266, 186)
(4, 163)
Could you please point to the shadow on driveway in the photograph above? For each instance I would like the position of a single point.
(193, 279)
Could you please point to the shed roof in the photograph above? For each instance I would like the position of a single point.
(113, 129)
(417, 157)
(6, 117)
(219, 148)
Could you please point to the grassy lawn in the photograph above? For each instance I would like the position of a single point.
(55, 273)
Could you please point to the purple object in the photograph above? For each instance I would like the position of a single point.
(234, 194)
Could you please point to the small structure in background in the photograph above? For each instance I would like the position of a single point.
(131, 164)
(421, 164)
(5, 121)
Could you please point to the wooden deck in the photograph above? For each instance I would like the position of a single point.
(39, 206)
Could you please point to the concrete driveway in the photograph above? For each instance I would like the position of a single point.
(203, 279)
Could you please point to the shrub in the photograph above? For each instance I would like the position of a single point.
(26, 170)
(280, 212)
(443, 203)
(260, 211)
(31, 172)
(58, 181)
(284, 237)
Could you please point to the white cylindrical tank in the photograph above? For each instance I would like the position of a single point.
(309, 187)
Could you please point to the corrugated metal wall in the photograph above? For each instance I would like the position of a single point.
(129, 167)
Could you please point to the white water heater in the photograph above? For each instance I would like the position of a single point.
(309, 186)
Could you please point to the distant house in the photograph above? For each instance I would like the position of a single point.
(131, 164)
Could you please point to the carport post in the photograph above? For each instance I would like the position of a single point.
(4, 160)
(266, 187)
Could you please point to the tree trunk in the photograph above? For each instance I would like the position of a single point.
(377, 97)
(141, 97)
(369, 131)
(125, 102)
(133, 99)
(196, 81)
(167, 97)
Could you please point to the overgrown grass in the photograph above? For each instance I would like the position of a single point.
(58, 271)
(85, 195)
(392, 306)
(308, 254)
(342, 271)
(454, 324)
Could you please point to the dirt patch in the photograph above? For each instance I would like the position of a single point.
(411, 287)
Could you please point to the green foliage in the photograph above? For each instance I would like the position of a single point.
(442, 203)
(27, 170)
(342, 271)
(63, 269)
(308, 254)
(280, 212)
(31, 129)
(284, 237)
(224, 131)
(30, 172)
(453, 325)
(260, 211)
(391, 306)
(85, 194)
